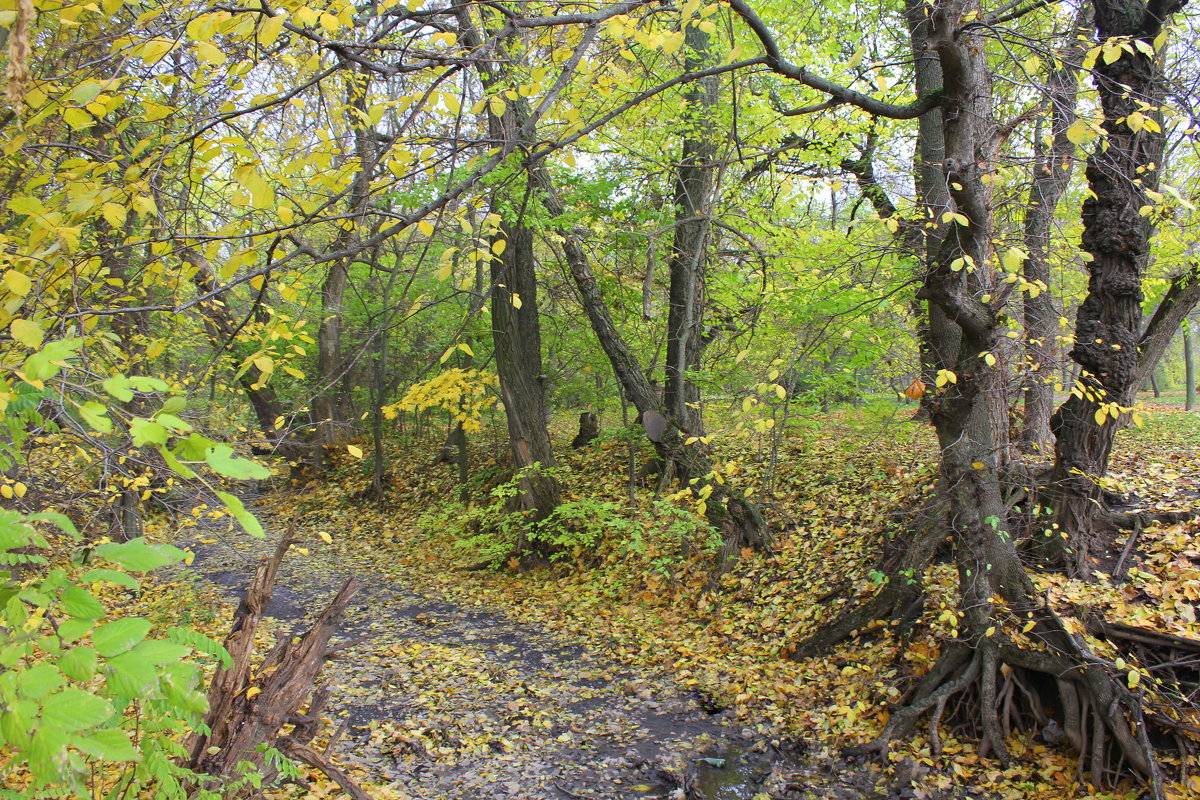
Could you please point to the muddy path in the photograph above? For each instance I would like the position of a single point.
(441, 700)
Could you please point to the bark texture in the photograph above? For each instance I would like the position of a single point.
(1117, 237)
(516, 329)
(1052, 167)
(694, 187)
(241, 721)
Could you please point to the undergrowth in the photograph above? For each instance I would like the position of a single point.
(634, 577)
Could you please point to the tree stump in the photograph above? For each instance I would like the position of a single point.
(589, 429)
(247, 710)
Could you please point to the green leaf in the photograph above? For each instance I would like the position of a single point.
(223, 461)
(61, 520)
(111, 576)
(110, 744)
(173, 405)
(16, 723)
(137, 555)
(118, 387)
(38, 680)
(74, 709)
(159, 651)
(177, 466)
(130, 675)
(145, 432)
(78, 663)
(248, 520)
(71, 630)
(80, 603)
(119, 636)
(47, 362)
(173, 422)
(94, 414)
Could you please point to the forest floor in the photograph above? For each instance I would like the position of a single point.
(438, 699)
(594, 677)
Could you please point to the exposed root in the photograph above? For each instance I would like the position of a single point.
(902, 597)
(998, 684)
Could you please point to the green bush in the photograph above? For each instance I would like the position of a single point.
(91, 705)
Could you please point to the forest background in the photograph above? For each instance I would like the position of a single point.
(247, 243)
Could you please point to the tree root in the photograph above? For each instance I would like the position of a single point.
(902, 597)
(996, 684)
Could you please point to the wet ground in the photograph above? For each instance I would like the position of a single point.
(444, 702)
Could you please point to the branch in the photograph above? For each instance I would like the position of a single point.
(780, 65)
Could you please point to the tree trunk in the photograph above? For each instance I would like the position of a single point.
(1108, 325)
(694, 186)
(1052, 174)
(517, 339)
(330, 403)
(1189, 364)
(1181, 298)
(985, 656)
(936, 335)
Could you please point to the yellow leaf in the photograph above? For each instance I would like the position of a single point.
(209, 53)
(425, 227)
(1133, 678)
(1101, 415)
(499, 245)
(1078, 131)
(269, 31)
(325, 537)
(516, 300)
(17, 282)
(466, 348)
(253, 691)
(354, 451)
(27, 333)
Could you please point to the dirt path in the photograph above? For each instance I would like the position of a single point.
(446, 702)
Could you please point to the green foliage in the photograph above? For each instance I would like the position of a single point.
(89, 702)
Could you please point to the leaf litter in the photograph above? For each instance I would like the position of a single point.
(598, 678)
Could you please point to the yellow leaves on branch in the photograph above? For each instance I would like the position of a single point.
(465, 394)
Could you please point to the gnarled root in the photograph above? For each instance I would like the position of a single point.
(902, 597)
(993, 684)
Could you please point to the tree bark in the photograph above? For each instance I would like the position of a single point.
(694, 186)
(1052, 173)
(516, 330)
(1189, 364)
(1181, 298)
(1117, 237)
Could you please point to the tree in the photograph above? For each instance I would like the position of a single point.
(1116, 236)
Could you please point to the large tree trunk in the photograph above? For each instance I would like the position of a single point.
(989, 652)
(516, 331)
(937, 336)
(517, 338)
(1117, 237)
(1052, 174)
